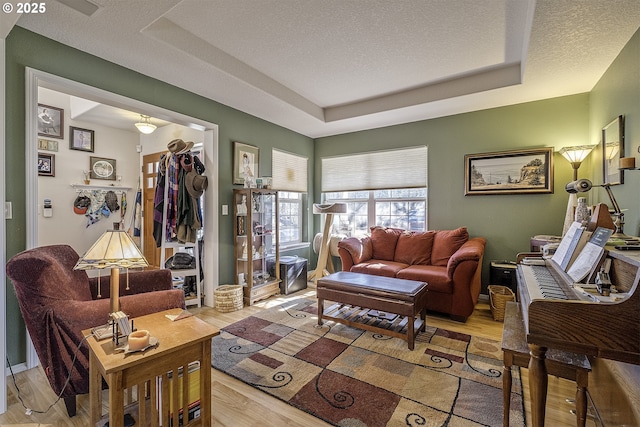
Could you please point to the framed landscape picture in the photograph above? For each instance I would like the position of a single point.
(509, 172)
(50, 121)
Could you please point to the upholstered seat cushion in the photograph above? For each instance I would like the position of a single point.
(379, 267)
(438, 280)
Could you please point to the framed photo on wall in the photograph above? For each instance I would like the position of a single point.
(50, 121)
(46, 164)
(612, 150)
(509, 172)
(245, 162)
(81, 139)
(102, 168)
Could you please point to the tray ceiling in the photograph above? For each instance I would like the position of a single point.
(323, 67)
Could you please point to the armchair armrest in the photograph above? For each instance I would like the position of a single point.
(353, 250)
(139, 282)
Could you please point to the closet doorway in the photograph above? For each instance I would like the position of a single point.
(150, 164)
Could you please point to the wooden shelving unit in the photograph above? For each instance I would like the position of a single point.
(256, 241)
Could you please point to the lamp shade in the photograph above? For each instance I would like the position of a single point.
(576, 154)
(114, 248)
(144, 125)
(327, 208)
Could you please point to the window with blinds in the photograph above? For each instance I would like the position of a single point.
(289, 177)
(403, 168)
(386, 188)
(289, 171)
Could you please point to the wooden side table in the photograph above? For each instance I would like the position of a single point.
(155, 372)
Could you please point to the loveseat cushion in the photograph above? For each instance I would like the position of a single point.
(384, 241)
(446, 243)
(414, 247)
(379, 268)
(435, 276)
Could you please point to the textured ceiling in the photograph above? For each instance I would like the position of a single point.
(322, 67)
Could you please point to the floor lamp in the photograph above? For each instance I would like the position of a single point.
(574, 155)
(329, 210)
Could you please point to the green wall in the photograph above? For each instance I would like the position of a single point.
(506, 221)
(618, 93)
(26, 49)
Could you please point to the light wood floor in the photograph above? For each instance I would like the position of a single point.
(235, 404)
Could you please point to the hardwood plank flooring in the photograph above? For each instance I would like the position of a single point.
(236, 404)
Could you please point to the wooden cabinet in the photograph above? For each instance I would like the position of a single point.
(256, 242)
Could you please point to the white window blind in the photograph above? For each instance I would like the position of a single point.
(403, 168)
(289, 171)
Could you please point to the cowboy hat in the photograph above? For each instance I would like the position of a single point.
(176, 146)
(196, 184)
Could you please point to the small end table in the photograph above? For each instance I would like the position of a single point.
(158, 373)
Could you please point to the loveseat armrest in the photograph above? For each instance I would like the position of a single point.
(139, 282)
(354, 250)
(465, 271)
(471, 250)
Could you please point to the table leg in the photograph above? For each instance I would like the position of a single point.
(95, 389)
(423, 316)
(538, 384)
(411, 336)
(205, 383)
(116, 399)
(320, 310)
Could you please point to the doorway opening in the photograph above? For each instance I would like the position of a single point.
(35, 80)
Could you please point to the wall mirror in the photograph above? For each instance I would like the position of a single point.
(613, 149)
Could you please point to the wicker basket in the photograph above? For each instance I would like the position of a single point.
(228, 298)
(499, 296)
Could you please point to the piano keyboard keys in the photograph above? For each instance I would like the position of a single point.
(541, 284)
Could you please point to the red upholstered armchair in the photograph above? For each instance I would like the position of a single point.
(57, 303)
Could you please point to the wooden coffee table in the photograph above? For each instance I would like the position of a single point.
(380, 304)
(180, 344)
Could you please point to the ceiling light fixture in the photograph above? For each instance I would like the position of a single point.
(144, 125)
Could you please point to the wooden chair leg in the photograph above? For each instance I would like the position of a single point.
(70, 403)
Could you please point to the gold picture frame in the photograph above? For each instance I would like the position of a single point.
(528, 171)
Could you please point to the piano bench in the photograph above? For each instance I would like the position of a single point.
(562, 364)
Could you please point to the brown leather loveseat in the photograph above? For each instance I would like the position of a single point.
(448, 260)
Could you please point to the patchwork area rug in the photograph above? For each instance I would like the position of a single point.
(354, 378)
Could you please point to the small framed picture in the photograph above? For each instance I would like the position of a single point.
(50, 121)
(47, 144)
(46, 164)
(102, 168)
(81, 139)
(245, 162)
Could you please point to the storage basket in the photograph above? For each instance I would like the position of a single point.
(228, 298)
(499, 296)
